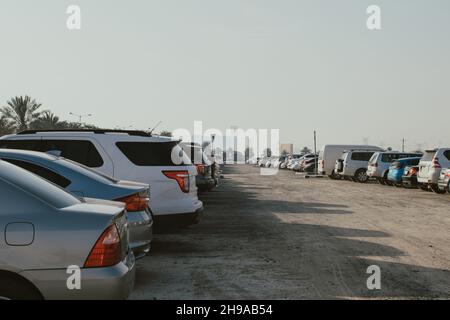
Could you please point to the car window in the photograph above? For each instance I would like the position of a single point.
(48, 192)
(447, 154)
(374, 157)
(81, 151)
(154, 153)
(42, 172)
(361, 156)
(86, 171)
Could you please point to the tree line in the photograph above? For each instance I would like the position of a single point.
(24, 113)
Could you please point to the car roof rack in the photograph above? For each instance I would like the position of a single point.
(96, 131)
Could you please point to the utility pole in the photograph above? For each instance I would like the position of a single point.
(315, 153)
(403, 145)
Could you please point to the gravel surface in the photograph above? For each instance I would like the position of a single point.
(286, 237)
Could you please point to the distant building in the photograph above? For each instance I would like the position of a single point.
(286, 148)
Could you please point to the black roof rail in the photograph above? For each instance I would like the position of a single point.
(96, 131)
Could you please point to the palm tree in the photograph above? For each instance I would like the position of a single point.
(21, 111)
(5, 126)
(48, 121)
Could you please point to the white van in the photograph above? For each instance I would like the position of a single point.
(126, 155)
(332, 152)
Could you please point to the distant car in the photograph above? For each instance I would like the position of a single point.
(409, 178)
(310, 165)
(430, 167)
(397, 168)
(276, 163)
(379, 163)
(85, 182)
(330, 153)
(127, 155)
(45, 230)
(444, 180)
(205, 180)
(300, 164)
(353, 165)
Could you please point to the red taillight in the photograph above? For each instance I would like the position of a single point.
(436, 163)
(200, 168)
(107, 250)
(412, 171)
(136, 202)
(182, 177)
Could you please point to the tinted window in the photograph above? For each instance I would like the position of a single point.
(154, 153)
(81, 151)
(413, 162)
(42, 172)
(42, 189)
(389, 157)
(447, 154)
(361, 156)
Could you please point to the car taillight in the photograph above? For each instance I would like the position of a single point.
(436, 163)
(182, 177)
(107, 250)
(136, 202)
(412, 171)
(200, 168)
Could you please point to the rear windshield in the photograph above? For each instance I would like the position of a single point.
(42, 189)
(86, 171)
(154, 153)
(374, 157)
(428, 156)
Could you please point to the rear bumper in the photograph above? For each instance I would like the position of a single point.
(443, 184)
(111, 283)
(141, 232)
(205, 183)
(409, 181)
(179, 219)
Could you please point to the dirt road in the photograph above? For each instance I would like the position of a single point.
(285, 237)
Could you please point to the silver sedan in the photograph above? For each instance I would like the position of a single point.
(54, 246)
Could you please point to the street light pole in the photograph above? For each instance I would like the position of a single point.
(80, 116)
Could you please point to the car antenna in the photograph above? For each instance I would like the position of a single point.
(151, 131)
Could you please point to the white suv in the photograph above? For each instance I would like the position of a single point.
(430, 167)
(353, 165)
(379, 163)
(127, 155)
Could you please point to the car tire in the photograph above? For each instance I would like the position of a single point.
(14, 288)
(381, 181)
(361, 176)
(436, 189)
(423, 187)
(388, 183)
(335, 176)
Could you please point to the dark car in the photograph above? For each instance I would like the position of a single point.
(206, 178)
(409, 178)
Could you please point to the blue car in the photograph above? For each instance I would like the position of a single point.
(84, 182)
(397, 169)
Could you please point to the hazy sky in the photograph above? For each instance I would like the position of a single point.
(288, 64)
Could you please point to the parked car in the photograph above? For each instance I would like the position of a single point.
(379, 163)
(444, 180)
(127, 155)
(310, 165)
(300, 164)
(330, 153)
(353, 165)
(430, 167)
(277, 161)
(397, 169)
(85, 182)
(263, 161)
(205, 179)
(288, 160)
(45, 230)
(409, 178)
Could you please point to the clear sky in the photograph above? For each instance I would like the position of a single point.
(288, 64)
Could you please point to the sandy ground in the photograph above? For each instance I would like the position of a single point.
(285, 237)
